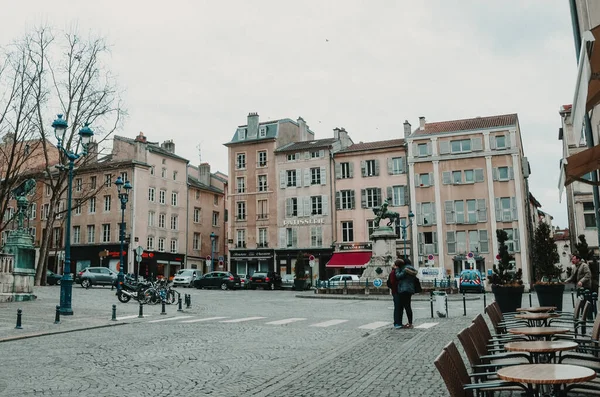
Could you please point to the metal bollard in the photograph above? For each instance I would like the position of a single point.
(19, 313)
(345, 284)
(447, 312)
(114, 313)
(530, 304)
(431, 302)
(141, 312)
(57, 315)
(189, 300)
(573, 298)
(484, 300)
(179, 308)
(595, 303)
(464, 304)
(163, 311)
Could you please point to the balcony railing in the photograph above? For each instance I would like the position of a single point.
(262, 245)
(240, 245)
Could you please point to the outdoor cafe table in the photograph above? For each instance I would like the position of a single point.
(537, 319)
(539, 309)
(557, 375)
(546, 350)
(537, 333)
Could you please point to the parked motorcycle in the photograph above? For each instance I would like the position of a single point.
(133, 290)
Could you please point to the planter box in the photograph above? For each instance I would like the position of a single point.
(550, 294)
(509, 298)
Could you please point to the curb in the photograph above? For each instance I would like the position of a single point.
(417, 298)
(36, 335)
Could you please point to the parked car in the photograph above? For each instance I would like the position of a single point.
(343, 279)
(53, 278)
(223, 280)
(470, 280)
(96, 276)
(186, 277)
(244, 280)
(266, 280)
(287, 281)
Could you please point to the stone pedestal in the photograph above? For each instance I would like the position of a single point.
(17, 267)
(383, 255)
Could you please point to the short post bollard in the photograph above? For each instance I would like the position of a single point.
(163, 308)
(595, 303)
(57, 315)
(141, 311)
(114, 313)
(464, 304)
(447, 312)
(431, 302)
(484, 300)
(530, 304)
(19, 313)
(573, 298)
(189, 300)
(179, 308)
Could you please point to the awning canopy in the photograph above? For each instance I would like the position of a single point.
(574, 167)
(349, 259)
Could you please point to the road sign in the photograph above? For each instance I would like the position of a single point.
(220, 263)
(139, 250)
(311, 263)
(470, 255)
(208, 258)
(311, 258)
(430, 257)
(138, 258)
(221, 259)
(377, 282)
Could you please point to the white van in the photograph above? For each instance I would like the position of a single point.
(431, 274)
(186, 277)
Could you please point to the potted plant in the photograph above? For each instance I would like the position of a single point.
(506, 281)
(548, 286)
(300, 273)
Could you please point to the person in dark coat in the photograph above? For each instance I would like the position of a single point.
(405, 274)
(394, 287)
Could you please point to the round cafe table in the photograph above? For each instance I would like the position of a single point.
(538, 309)
(541, 351)
(538, 333)
(559, 376)
(537, 319)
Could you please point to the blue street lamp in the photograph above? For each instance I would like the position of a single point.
(85, 136)
(123, 198)
(404, 227)
(213, 237)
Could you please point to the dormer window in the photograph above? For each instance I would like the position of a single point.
(262, 132)
(241, 134)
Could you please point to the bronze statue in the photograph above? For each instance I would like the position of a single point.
(20, 194)
(383, 213)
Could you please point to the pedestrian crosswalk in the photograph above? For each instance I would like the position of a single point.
(301, 321)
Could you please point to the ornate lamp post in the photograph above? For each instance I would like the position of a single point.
(85, 135)
(123, 189)
(213, 237)
(404, 227)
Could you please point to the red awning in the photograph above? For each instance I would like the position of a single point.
(349, 259)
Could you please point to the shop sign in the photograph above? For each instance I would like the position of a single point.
(355, 247)
(300, 222)
(251, 254)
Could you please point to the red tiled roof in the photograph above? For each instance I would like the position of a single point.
(477, 123)
(358, 147)
(561, 235)
(565, 108)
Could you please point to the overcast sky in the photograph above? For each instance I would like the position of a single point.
(193, 69)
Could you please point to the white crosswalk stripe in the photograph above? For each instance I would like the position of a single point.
(240, 320)
(169, 319)
(286, 321)
(197, 320)
(375, 325)
(426, 325)
(132, 316)
(329, 323)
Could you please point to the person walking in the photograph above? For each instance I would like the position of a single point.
(405, 275)
(581, 276)
(393, 285)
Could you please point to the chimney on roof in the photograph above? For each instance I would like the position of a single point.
(169, 146)
(252, 125)
(303, 129)
(204, 173)
(342, 136)
(140, 137)
(422, 123)
(406, 128)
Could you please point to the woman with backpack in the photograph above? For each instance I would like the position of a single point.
(405, 276)
(392, 284)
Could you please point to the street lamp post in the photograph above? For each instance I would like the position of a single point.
(213, 236)
(404, 227)
(123, 189)
(85, 135)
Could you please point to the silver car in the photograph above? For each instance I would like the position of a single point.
(186, 277)
(96, 276)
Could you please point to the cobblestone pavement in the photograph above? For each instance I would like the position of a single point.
(234, 343)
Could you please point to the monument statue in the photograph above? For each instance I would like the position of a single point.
(383, 213)
(20, 194)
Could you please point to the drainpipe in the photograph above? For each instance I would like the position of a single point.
(332, 190)
(589, 137)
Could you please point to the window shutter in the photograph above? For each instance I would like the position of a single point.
(288, 207)
(299, 177)
(433, 213)
(282, 237)
(406, 195)
(513, 205)
(321, 153)
(363, 168)
(307, 177)
(307, 207)
(431, 182)
(495, 174)
(376, 167)
(323, 176)
(298, 156)
(338, 171)
(451, 242)
(390, 165)
(483, 241)
(508, 143)
(338, 200)
(351, 166)
(415, 150)
(389, 195)
(352, 200)
(404, 164)
(516, 240)
(282, 179)
(429, 148)
(476, 144)
(363, 198)
(325, 204)
(378, 199)
(444, 147)
(294, 237)
(446, 178)
(419, 215)
(435, 243)
(498, 210)
(492, 142)
(449, 211)
(306, 155)
(479, 175)
(481, 211)
(420, 239)
(511, 173)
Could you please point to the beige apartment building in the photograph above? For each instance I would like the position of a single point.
(254, 190)
(468, 179)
